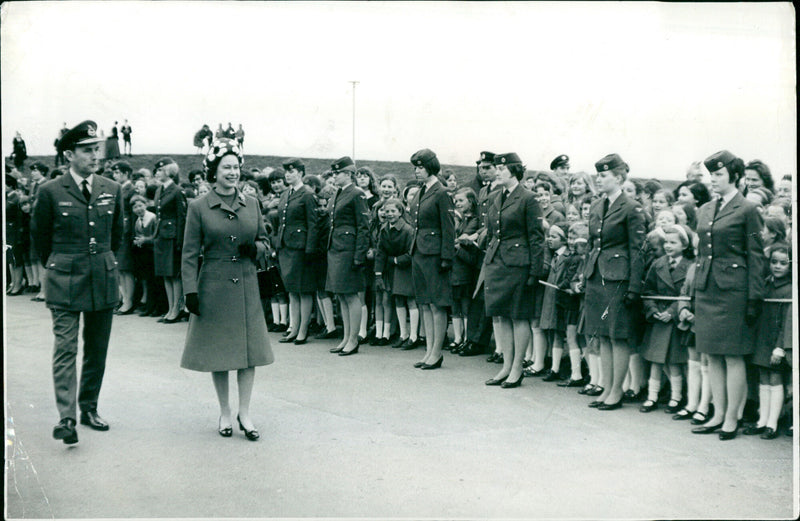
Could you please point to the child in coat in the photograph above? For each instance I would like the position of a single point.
(773, 346)
(465, 269)
(549, 322)
(662, 343)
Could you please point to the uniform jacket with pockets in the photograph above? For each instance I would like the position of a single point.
(432, 220)
(297, 214)
(348, 216)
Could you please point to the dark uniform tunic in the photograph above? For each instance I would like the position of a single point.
(76, 240)
(729, 271)
(348, 241)
(170, 210)
(296, 239)
(433, 242)
(614, 265)
(515, 254)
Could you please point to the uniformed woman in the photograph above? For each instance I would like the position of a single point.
(513, 263)
(432, 252)
(347, 244)
(227, 330)
(170, 206)
(613, 274)
(296, 240)
(728, 290)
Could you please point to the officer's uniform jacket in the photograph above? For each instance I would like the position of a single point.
(77, 240)
(433, 223)
(297, 225)
(348, 216)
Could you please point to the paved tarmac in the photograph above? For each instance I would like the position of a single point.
(366, 436)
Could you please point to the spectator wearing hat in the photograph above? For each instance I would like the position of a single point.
(227, 330)
(512, 266)
(170, 210)
(296, 241)
(122, 175)
(126, 138)
(77, 226)
(613, 274)
(560, 166)
(19, 151)
(432, 252)
(347, 245)
(728, 290)
(484, 172)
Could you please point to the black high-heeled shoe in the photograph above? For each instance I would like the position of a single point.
(348, 353)
(511, 385)
(496, 381)
(437, 365)
(252, 435)
(225, 432)
(335, 350)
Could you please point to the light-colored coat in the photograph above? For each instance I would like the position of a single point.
(230, 332)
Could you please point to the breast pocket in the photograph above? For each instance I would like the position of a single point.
(429, 242)
(515, 253)
(59, 280)
(112, 280)
(167, 229)
(296, 238)
(343, 240)
(614, 266)
(729, 275)
(67, 221)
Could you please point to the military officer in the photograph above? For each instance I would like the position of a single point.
(348, 241)
(560, 166)
(77, 225)
(432, 252)
(296, 242)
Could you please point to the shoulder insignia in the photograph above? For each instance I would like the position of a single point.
(65, 203)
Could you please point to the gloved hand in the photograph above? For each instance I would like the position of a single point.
(379, 285)
(248, 250)
(193, 303)
(753, 311)
(445, 266)
(630, 299)
(531, 281)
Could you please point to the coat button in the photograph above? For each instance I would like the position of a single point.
(91, 223)
(65, 214)
(710, 257)
(235, 281)
(233, 237)
(90, 207)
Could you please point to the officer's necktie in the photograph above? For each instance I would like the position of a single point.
(503, 195)
(86, 194)
(717, 207)
(672, 263)
(421, 193)
(605, 206)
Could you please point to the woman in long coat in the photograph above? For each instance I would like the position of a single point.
(432, 252)
(514, 260)
(348, 241)
(296, 241)
(227, 330)
(728, 289)
(614, 272)
(170, 210)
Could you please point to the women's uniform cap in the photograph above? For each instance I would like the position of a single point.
(720, 159)
(164, 161)
(561, 160)
(611, 162)
(343, 164)
(510, 158)
(422, 157)
(84, 133)
(122, 166)
(486, 156)
(293, 163)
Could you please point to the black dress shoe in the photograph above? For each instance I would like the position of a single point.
(551, 376)
(769, 434)
(571, 383)
(633, 396)
(587, 388)
(754, 430)
(683, 414)
(595, 404)
(65, 431)
(417, 365)
(93, 420)
(225, 432)
(348, 353)
(510, 385)
(287, 339)
(496, 381)
(420, 342)
(436, 365)
(527, 363)
(672, 407)
(706, 429)
(336, 349)
(128, 311)
(703, 417)
(410, 344)
(252, 435)
(491, 358)
(597, 391)
(610, 406)
(534, 373)
(280, 328)
(300, 341)
(401, 343)
(648, 406)
(327, 335)
(361, 339)
(729, 435)
(499, 359)
(175, 320)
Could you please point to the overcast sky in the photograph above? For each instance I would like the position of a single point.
(660, 84)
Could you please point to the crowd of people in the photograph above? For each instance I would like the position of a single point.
(625, 291)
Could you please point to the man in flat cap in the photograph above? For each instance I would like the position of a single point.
(77, 226)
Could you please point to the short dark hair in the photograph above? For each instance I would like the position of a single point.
(776, 226)
(517, 170)
(763, 172)
(277, 175)
(195, 173)
(313, 182)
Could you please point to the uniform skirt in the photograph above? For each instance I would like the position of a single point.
(125, 252)
(431, 286)
(342, 276)
(166, 261)
(604, 311)
(505, 293)
(720, 314)
(296, 271)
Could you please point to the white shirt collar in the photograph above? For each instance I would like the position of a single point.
(429, 183)
(561, 250)
(727, 198)
(613, 197)
(79, 180)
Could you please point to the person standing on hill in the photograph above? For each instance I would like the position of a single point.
(126, 139)
(240, 137)
(77, 225)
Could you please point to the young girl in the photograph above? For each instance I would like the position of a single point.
(662, 200)
(572, 213)
(465, 270)
(393, 271)
(568, 301)
(586, 205)
(665, 218)
(144, 229)
(548, 321)
(662, 342)
(774, 232)
(771, 350)
(383, 308)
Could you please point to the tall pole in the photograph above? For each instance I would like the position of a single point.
(354, 119)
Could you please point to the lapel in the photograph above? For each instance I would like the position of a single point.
(679, 273)
(730, 207)
(69, 185)
(513, 196)
(617, 205)
(432, 190)
(662, 270)
(213, 200)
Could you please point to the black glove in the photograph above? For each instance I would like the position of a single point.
(193, 303)
(531, 281)
(248, 250)
(379, 285)
(445, 266)
(753, 311)
(630, 299)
